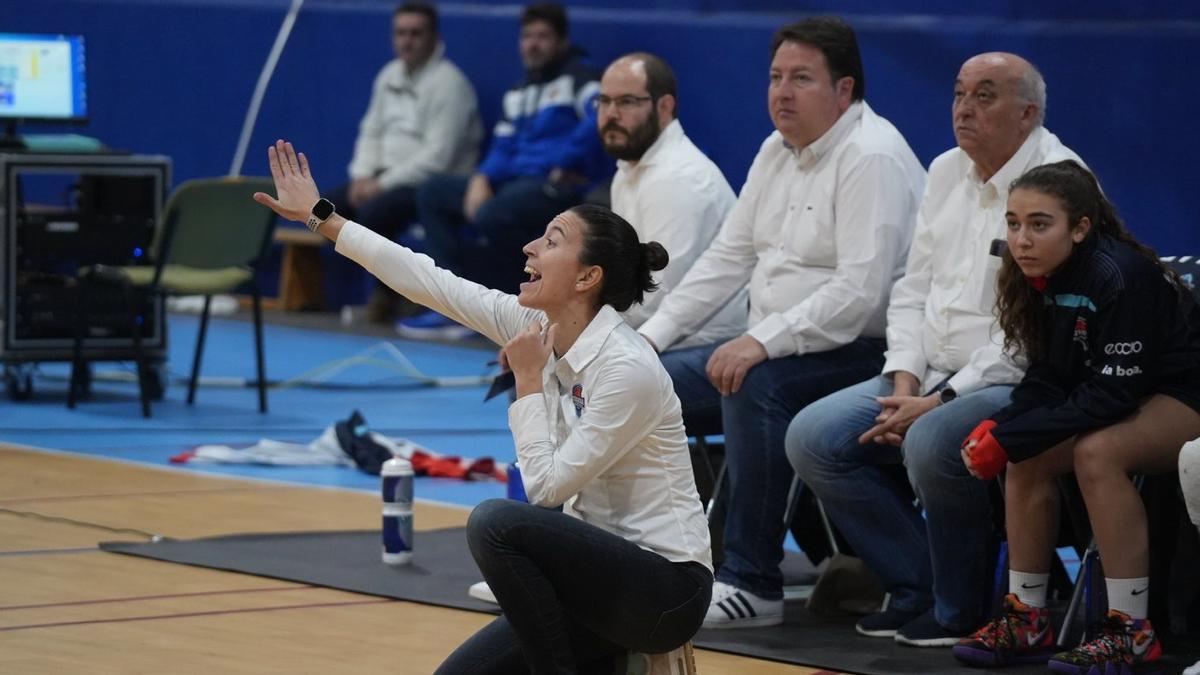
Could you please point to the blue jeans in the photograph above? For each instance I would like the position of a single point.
(575, 598)
(518, 212)
(940, 560)
(754, 421)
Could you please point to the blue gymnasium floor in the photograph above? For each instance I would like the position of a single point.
(450, 420)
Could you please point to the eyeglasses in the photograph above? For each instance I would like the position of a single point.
(623, 103)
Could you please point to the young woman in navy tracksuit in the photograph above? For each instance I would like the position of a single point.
(1112, 338)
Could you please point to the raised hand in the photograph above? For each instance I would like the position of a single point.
(293, 183)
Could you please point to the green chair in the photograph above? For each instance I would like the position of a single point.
(212, 237)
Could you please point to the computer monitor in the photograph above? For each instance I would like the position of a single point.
(42, 79)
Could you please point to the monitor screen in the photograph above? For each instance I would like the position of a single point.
(42, 77)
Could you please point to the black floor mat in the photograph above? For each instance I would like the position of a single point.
(442, 570)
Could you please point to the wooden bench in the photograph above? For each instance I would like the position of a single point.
(301, 278)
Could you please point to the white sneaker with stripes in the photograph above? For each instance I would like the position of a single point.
(731, 607)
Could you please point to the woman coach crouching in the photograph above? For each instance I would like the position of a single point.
(626, 566)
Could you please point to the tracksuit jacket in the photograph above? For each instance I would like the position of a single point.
(1117, 331)
(548, 121)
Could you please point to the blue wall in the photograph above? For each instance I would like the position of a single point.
(175, 76)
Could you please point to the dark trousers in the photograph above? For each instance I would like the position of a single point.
(755, 422)
(575, 598)
(388, 213)
(517, 213)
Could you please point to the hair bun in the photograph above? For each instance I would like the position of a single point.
(655, 255)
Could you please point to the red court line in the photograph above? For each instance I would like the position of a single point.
(188, 615)
(137, 598)
(185, 491)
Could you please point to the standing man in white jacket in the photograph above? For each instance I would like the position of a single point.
(665, 186)
(423, 118)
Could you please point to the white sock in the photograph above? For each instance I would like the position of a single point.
(1131, 596)
(1029, 588)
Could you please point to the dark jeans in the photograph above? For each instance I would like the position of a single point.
(755, 422)
(517, 213)
(575, 597)
(388, 213)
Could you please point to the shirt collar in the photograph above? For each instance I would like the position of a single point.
(404, 77)
(813, 152)
(587, 345)
(1013, 168)
(667, 138)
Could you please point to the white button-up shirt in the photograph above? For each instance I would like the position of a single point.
(941, 322)
(605, 436)
(677, 196)
(820, 234)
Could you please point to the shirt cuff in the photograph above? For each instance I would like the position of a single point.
(966, 381)
(907, 361)
(529, 422)
(775, 335)
(352, 242)
(661, 331)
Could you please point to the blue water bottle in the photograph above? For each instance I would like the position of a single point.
(397, 477)
(516, 487)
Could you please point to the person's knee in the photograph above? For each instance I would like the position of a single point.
(816, 444)
(930, 452)
(487, 517)
(1096, 460)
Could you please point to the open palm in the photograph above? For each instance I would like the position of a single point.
(296, 190)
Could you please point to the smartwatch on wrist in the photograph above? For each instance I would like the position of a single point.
(946, 394)
(321, 211)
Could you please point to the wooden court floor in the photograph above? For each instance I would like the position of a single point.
(67, 607)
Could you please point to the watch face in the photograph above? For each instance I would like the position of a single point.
(323, 209)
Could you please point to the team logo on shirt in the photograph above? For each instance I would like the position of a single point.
(1080, 331)
(1123, 348)
(1118, 371)
(577, 399)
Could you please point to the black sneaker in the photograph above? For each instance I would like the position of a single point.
(885, 623)
(925, 631)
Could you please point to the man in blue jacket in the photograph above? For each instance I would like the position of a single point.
(545, 154)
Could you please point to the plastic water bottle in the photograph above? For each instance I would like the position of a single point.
(516, 486)
(397, 479)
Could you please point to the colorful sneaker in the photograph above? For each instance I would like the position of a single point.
(1021, 634)
(430, 325)
(731, 607)
(1121, 646)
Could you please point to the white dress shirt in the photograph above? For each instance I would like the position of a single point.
(820, 233)
(418, 123)
(941, 321)
(677, 196)
(605, 436)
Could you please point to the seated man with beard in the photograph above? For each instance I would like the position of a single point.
(665, 186)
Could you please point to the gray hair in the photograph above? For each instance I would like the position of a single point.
(1032, 88)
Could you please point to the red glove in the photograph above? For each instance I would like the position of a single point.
(986, 456)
